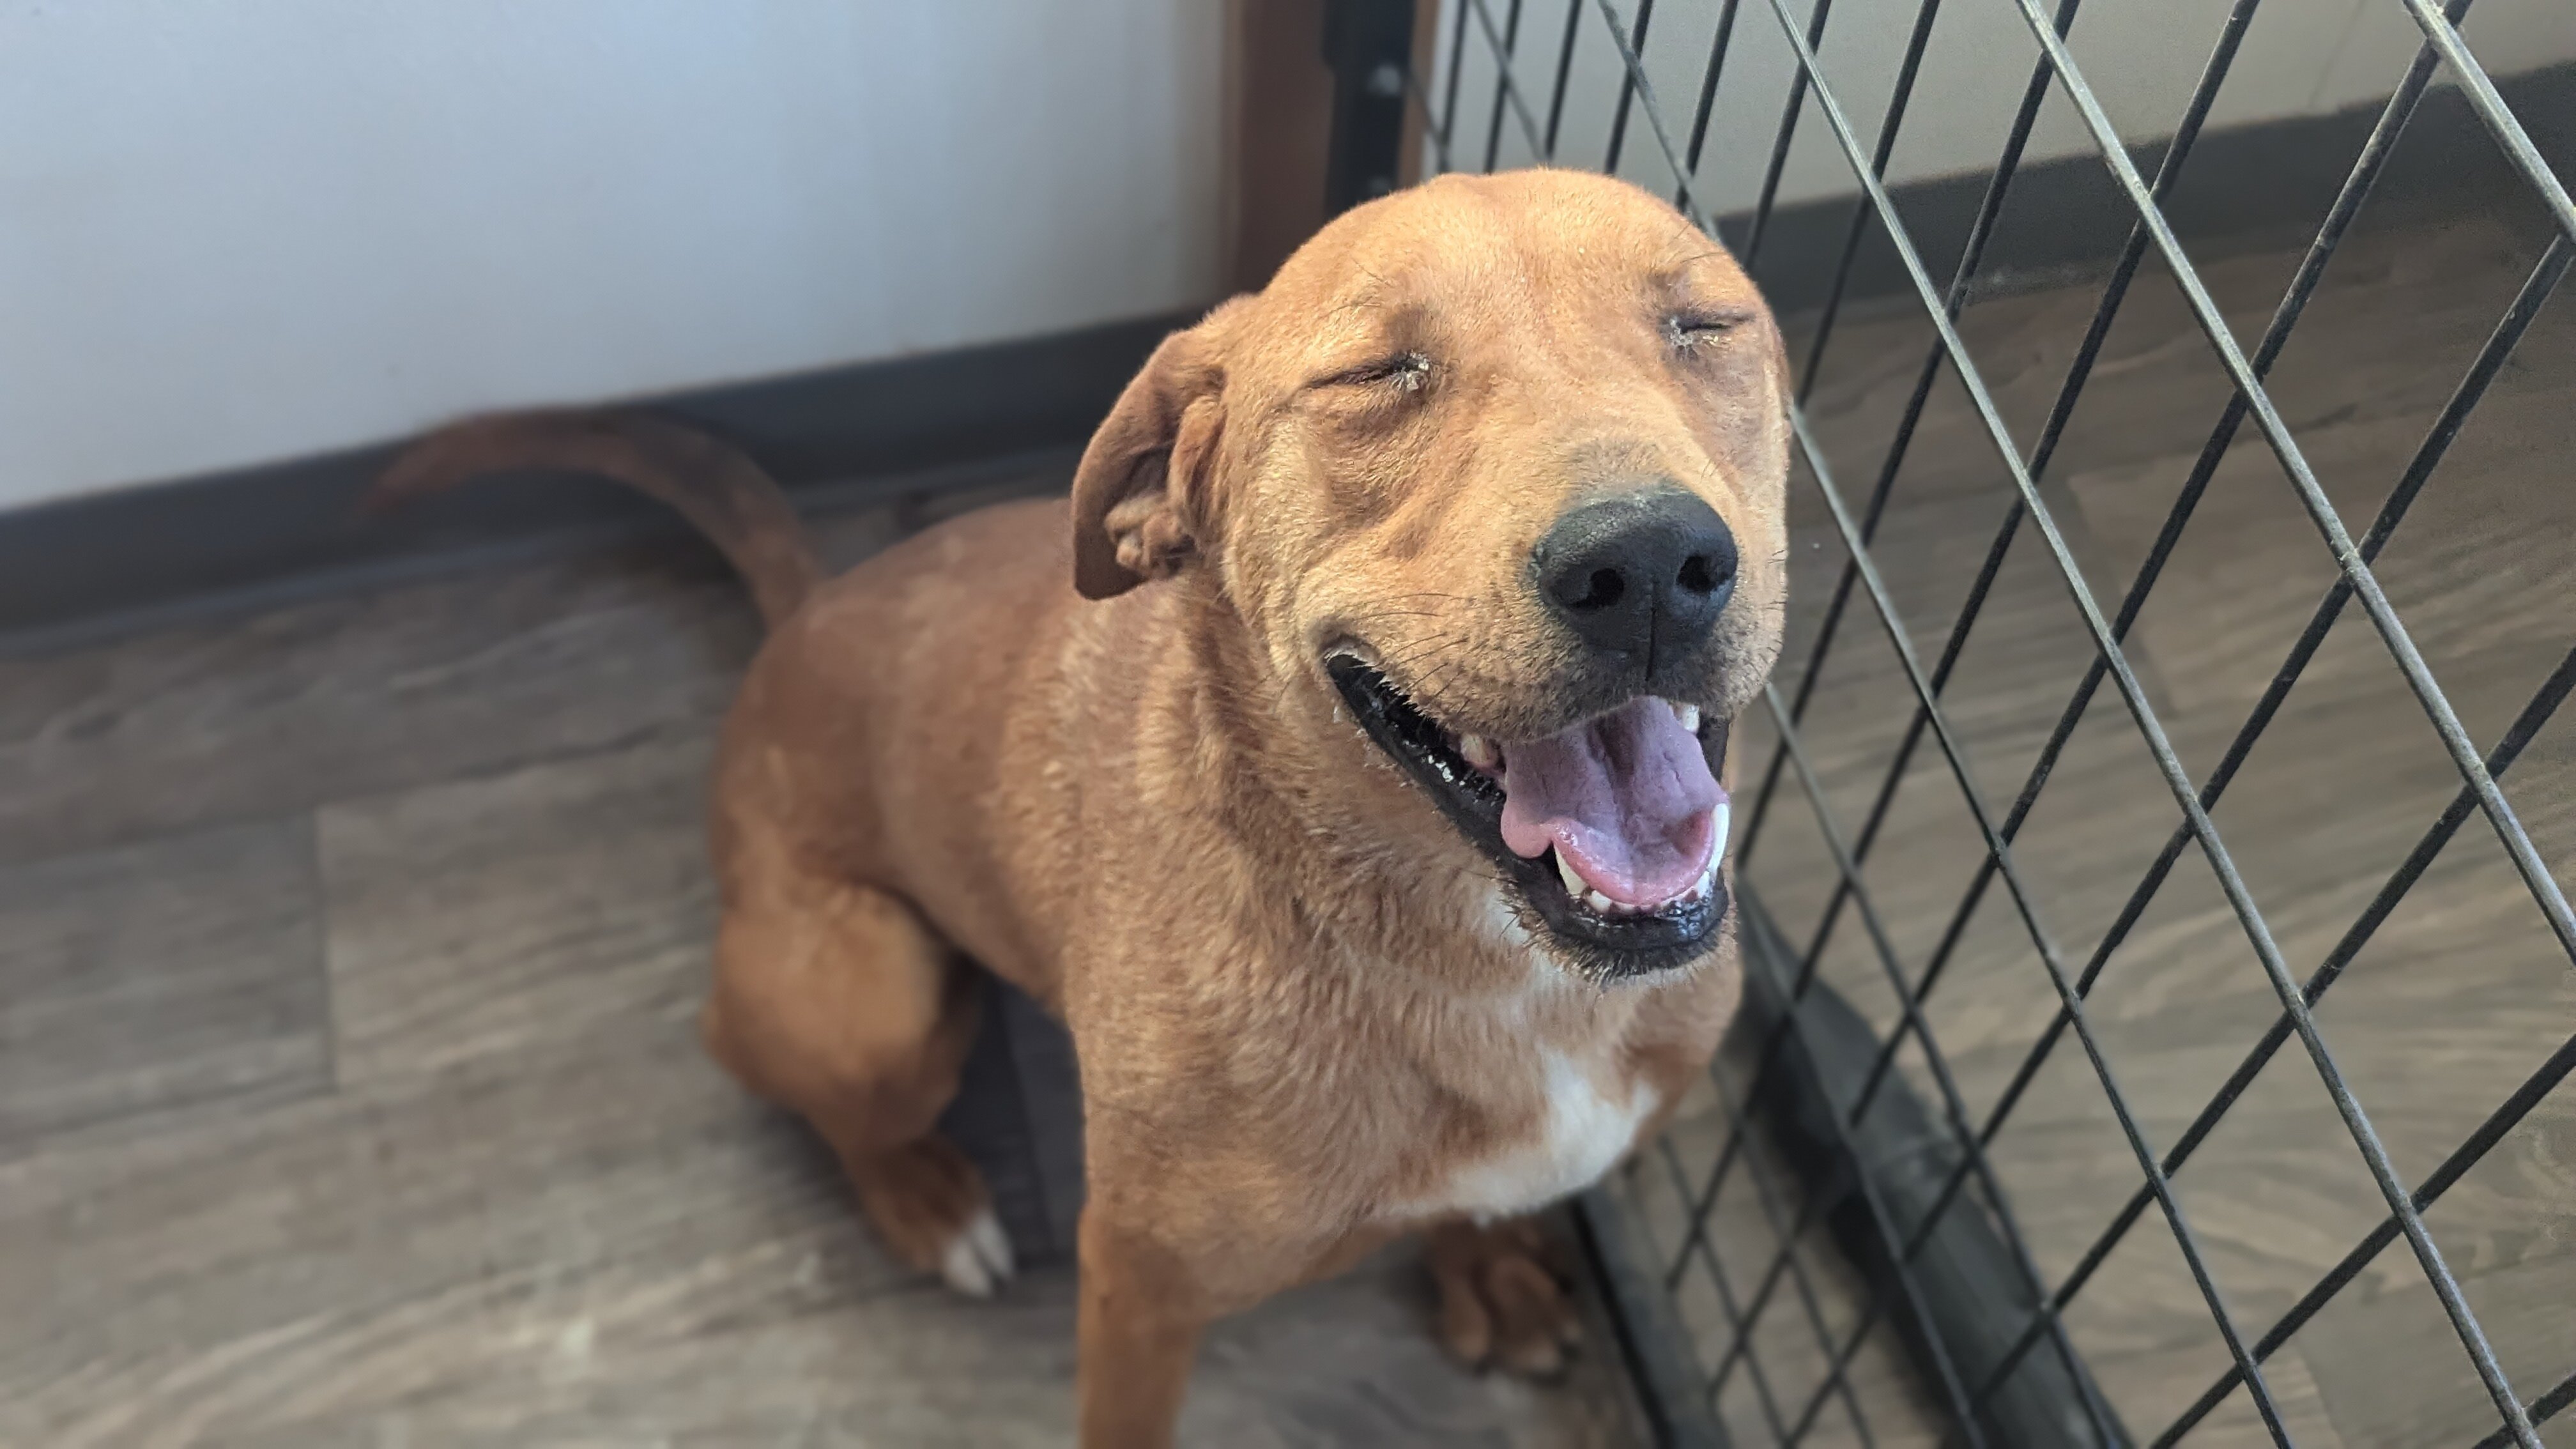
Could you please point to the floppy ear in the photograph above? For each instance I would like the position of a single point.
(1142, 504)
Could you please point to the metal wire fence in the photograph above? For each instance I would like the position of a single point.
(1973, 1362)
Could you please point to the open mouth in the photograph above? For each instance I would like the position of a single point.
(1608, 833)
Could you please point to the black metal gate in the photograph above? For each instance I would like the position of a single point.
(1901, 1181)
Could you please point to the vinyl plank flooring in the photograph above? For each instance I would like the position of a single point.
(1788, 1363)
(569, 902)
(362, 694)
(351, 1254)
(1351, 1361)
(156, 978)
(445, 839)
(2482, 545)
(534, 909)
(612, 1245)
(909, 1369)
(357, 696)
(481, 925)
(2156, 388)
(2460, 993)
(2398, 1376)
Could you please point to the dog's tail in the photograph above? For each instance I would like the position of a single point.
(723, 494)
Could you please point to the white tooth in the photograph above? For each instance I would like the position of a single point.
(1717, 826)
(1689, 716)
(1480, 751)
(1598, 902)
(1574, 885)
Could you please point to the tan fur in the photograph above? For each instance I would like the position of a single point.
(719, 491)
(1303, 1015)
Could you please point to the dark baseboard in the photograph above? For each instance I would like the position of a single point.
(85, 566)
(97, 564)
(2246, 187)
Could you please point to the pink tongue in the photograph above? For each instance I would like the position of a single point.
(1626, 799)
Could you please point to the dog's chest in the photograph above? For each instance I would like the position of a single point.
(1582, 1130)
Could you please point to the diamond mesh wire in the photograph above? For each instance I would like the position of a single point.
(1969, 1182)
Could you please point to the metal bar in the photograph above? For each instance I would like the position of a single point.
(1971, 256)
(1968, 1287)
(2079, 372)
(1707, 98)
(2131, 692)
(2184, 1237)
(2204, 94)
(2553, 266)
(2543, 1409)
(1431, 127)
(1628, 87)
(1636, 71)
(1564, 68)
(1781, 138)
(1943, 1370)
(1651, 1335)
(2419, 679)
(2347, 205)
(1903, 91)
(2534, 1088)
(1449, 105)
(2535, 714)
(2442, 31)
(1510, 88)
(1788, 1251)
(2041, 455)
(1504, 90)
(1740, 1316)
(2364, 173)
(1775, 1046)
(1953, 1106)
(2374, 601)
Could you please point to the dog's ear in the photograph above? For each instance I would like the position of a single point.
(1142, 500)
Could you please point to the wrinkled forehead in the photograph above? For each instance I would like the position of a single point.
(1474, 254)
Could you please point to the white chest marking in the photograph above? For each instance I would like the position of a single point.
(1581, 1134)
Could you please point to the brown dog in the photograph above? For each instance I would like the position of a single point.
(1341, 766)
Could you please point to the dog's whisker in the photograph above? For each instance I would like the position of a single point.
(1430, 650)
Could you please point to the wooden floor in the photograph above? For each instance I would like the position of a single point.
(348, 951)
(349, 1092)
(2458, 997)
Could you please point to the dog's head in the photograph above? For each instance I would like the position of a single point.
(1498, 462)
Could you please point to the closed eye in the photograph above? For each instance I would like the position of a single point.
(1686, 330)
(1405, 370)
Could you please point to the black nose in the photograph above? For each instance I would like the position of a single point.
(1641, 575)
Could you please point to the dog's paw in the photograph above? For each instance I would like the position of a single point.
(1503, 1297)
(978, 1259)
(930, 1206)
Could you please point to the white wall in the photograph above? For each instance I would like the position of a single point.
(2142, 57)
(236, 232)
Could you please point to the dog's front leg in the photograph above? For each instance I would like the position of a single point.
(1136, 1334)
